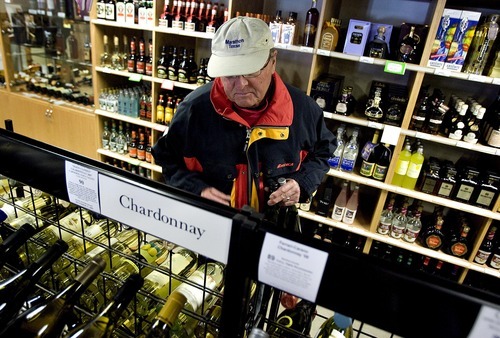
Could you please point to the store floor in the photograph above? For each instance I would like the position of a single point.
(361, 330)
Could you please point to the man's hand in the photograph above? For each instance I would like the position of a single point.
(288, 194)
(215, 195)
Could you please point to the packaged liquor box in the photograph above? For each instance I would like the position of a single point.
(420, 34)
(462, 40)
(444, 37)
(356, 37)
(326, 89)
(388, 32)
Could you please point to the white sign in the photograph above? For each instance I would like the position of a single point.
(82, 185)
(291, 266)
(487, 324)
(191, 227)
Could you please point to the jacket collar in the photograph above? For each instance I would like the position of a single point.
(279, 113)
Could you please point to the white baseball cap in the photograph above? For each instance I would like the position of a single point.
(240, 46)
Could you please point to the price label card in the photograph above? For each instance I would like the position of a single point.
(82, 185)
(306, 49)
(167, 84)
(479, 78)
(375, 125)
(135, 77)
(487, 324)
(423, 136)
(323, 52)
(291, 266)
(366, 59)
(395, 67)
(442, 72)
(390, 135)
(496, 81)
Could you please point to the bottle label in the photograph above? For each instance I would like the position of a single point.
(410, 235)
(338, 212)
(482, 256)
(458, 249)
(495, 261)
(464, 192)
(433, 242)
(445, 189)
(485, 198)
(349, 216)
(120, 11)
(379, 172)
(130, 13)
(494, 139)
(397, 231)
(341, 108)
(347, 165)
(383, 228)
(413, 170)
(402, 167)
(367, 168)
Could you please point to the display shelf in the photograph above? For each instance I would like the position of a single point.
(133, 120)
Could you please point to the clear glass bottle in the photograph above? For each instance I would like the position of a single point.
(350, 153)
(414, 169)
(398, 224)
(386, 217)
(335, 159)
(341, 202)
(481, 45)
(116, 57)
(374, 112)
(413, 226)
(105, 56)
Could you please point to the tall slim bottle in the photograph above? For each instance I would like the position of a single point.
(104, 322)
(351, 207)
(9, 246)
(402, 164)
(15, 290)
(340, 203)
(48, 318)
(166, 317)
(350, 153)
(414, 168)
(311, 25)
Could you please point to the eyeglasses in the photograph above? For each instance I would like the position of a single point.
(254, 74)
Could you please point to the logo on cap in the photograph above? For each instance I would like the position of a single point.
(236, 43)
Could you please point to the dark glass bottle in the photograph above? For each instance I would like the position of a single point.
(467, 183)
(369, 156)
(131, 63)
(298, 319)
(407, 50)
(383, 161)
(374, 112)
(494, 260)
(486, 248)
(311, 25)
(419, 117)
(173, 67)
(201, 73)
(430, 176)
(436, 119)
(162, 65)
(447, 180)
(433, 237)
(459, 246)
(377, 48)
(183, 71)
(457, 126)
(132, 146)
(140, 65)
(192, 68)
(324, 203)
(487, 191)
(10, 245)
(149, 59)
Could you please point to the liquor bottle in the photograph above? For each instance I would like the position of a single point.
(386, 217)
(446, 184)
(101, 9)
(87, 50)
(149, 59)
(275, 26)
(494, 260)
(162, 64)
(458, 246)
(169, 111)
(342, 106)
(72, 46)
(330, 35)
(15, 290)
(457, 126)
(414, 168)
(484, 252)
(167, 316)
(202, 15)
(173, 67)
(182, 72)
(116, 59)
(125, 53)
(337, 325)
(49, 317)
(325, 201)
(431, 178)
(491, 125)
(192, 67)
(467, 183)
(383, 154)
(140, 65)
(481, 45)
(433, 237)
(350, 153)
(132, 146)
(413, 226)
(131, 64)
(102, 324)
(373, 112)
(436, 119)
(192, 21)
(288, 30)
(10, 245)
(201, 73)
(377, 48)
(473, 131)
(141, 147)
(298, 319)
(121, 142)
(368, 147)
(311, 25)
(149, 145)
(402, 164)
(407, 50)
(340, 203)
(398, 224)
(160, 110)
(487, 191)
(106, 56)
(351, 206)
(419, 116)
(110, 10)
(335, 159)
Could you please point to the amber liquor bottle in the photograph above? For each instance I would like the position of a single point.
(149, 59)
(131, 63)
(141, 147)
(141, 60)
(486, 248)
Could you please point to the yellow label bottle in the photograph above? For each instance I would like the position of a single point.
(414, 168)
(402, 165)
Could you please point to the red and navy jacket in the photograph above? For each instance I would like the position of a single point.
(209, 145)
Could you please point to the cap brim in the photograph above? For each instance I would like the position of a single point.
(235, 65)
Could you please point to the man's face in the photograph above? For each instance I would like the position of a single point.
(248, 91)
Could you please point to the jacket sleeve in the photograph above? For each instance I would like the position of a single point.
(315, 165)
(169, 153)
